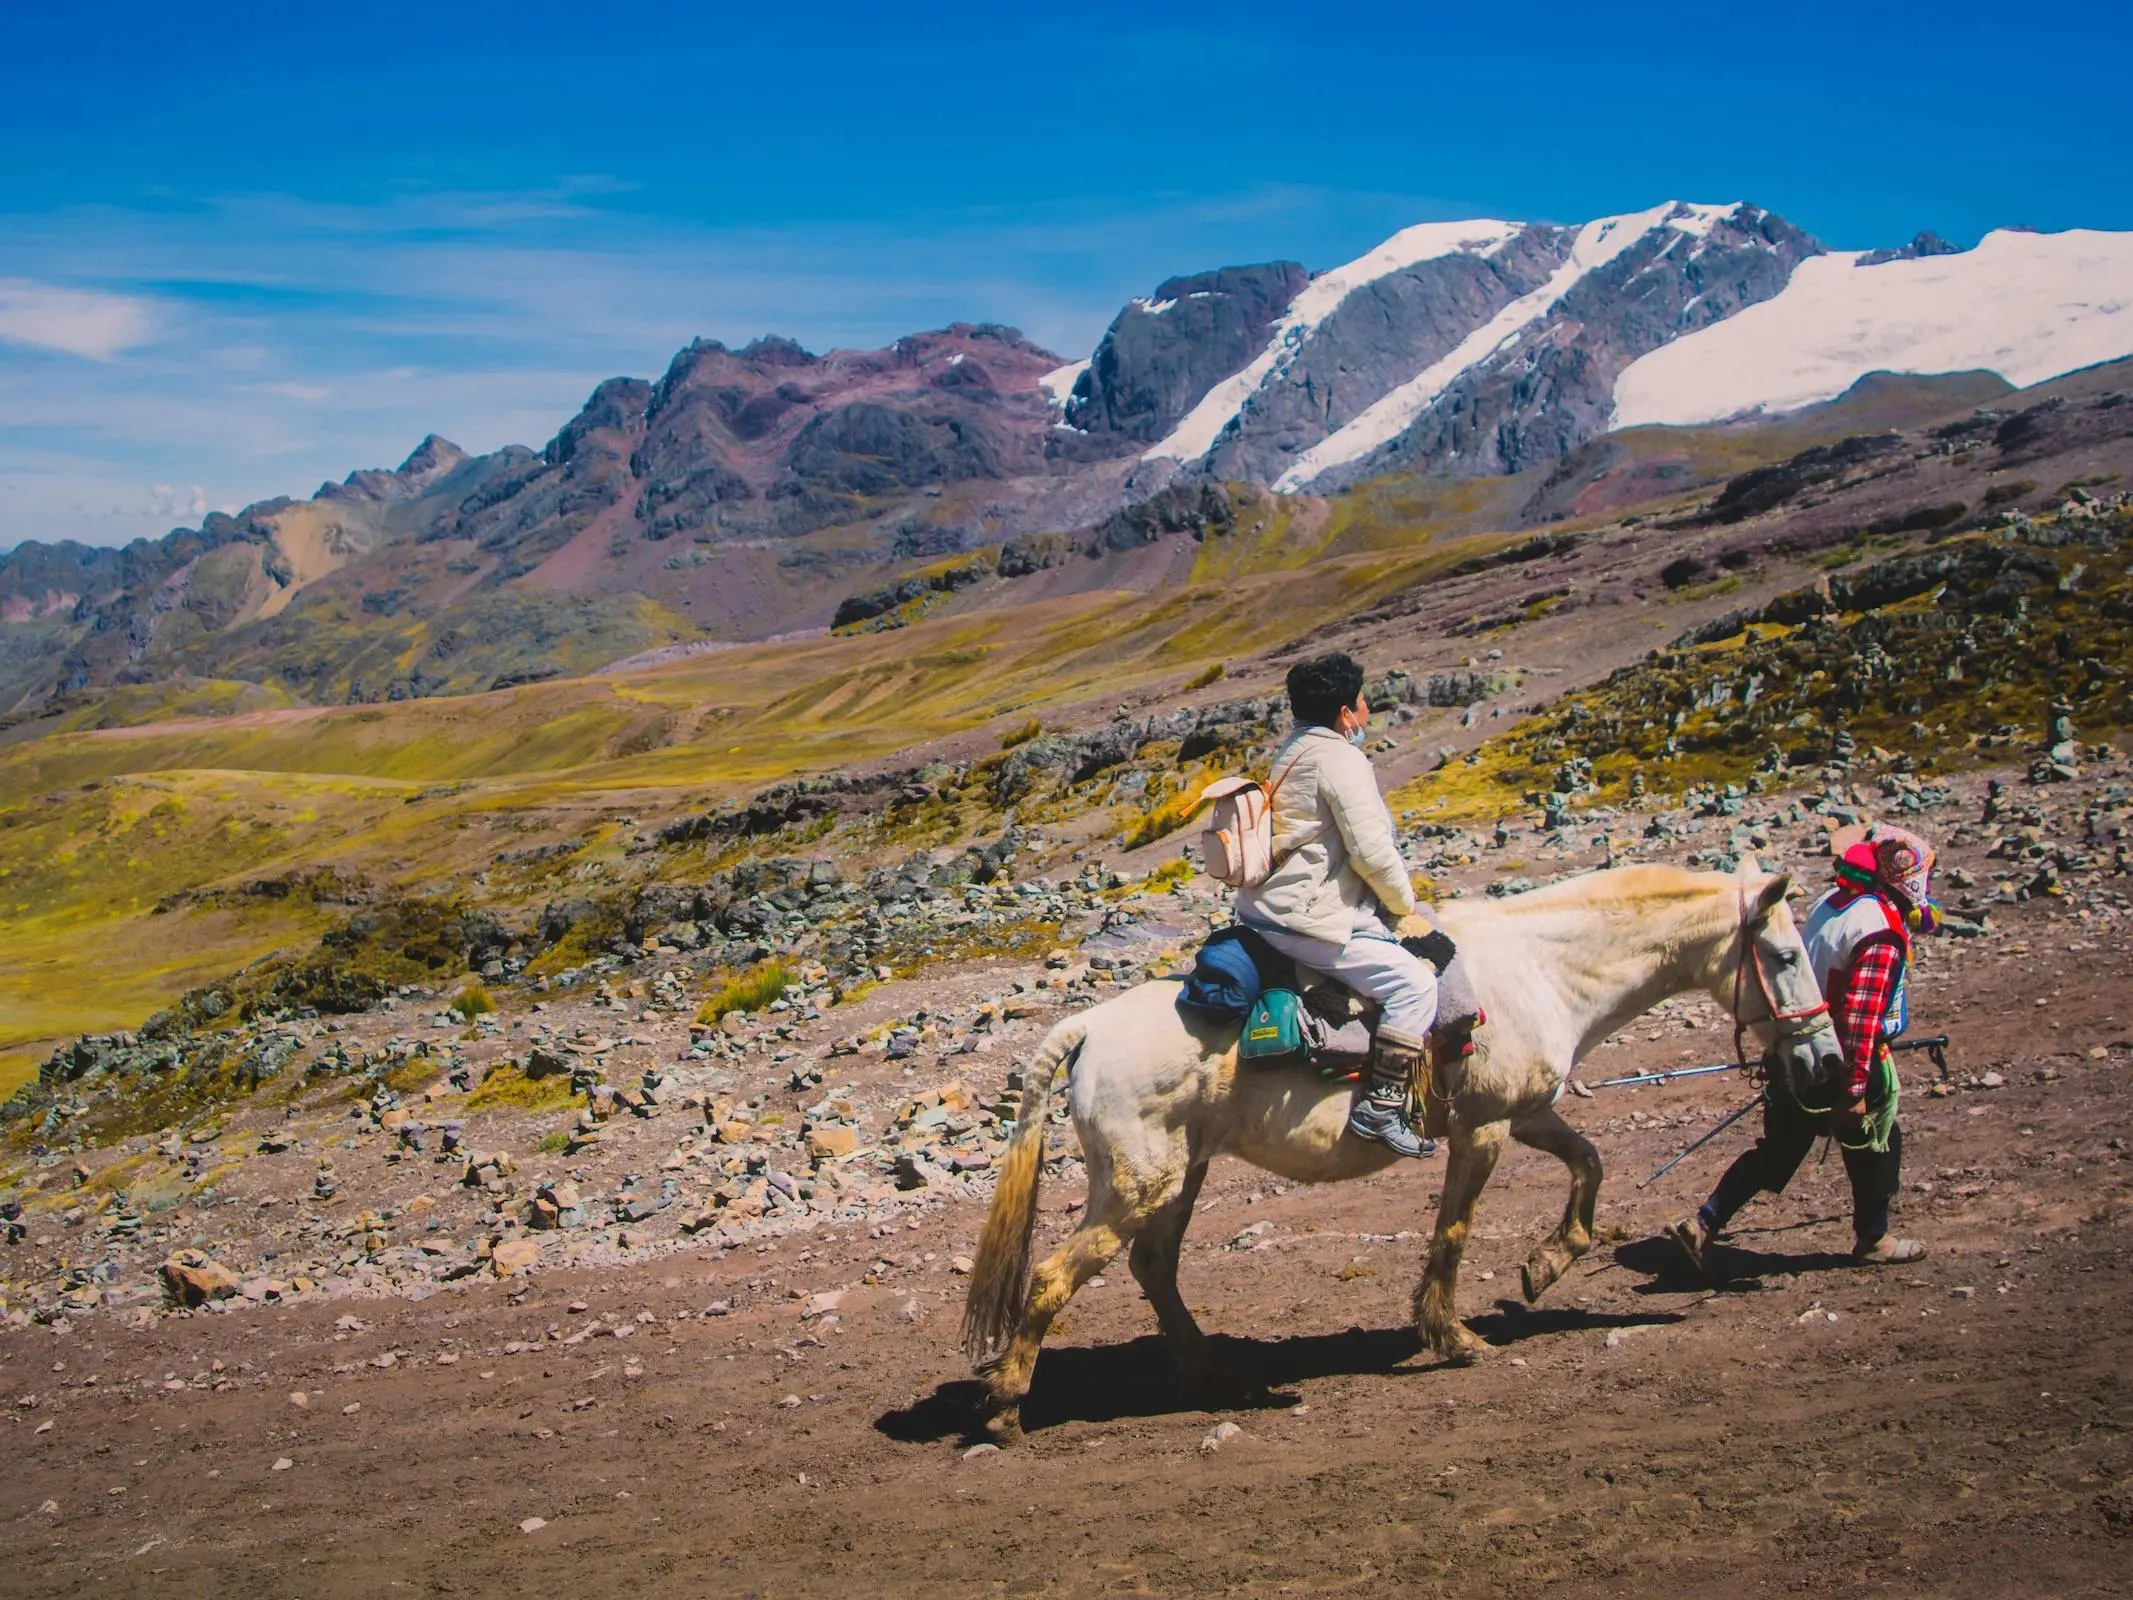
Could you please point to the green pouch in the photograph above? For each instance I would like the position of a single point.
(1274, 1031)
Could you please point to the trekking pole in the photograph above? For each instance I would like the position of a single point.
(1731, 1118)
(1661, 1077)
(1934, 1045)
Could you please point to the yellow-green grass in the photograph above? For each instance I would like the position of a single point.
(747, 991)
(1941, 721)
(509, 1089)
(100, 825)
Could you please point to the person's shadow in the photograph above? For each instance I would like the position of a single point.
(1737, 1265)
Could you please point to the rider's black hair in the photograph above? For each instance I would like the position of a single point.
(1321, 688)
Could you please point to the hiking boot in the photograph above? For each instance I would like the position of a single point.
(1380, 1114)
(1693, 1240)
(1887, 1252)
(1387, 1125)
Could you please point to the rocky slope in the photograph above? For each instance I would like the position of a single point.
(745, 492)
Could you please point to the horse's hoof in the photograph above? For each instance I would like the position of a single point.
(1460, 1346)
(1538, 1276)
(1004, 1427)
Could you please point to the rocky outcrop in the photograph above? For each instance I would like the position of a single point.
(1764, 488)
(1161, 354)
(1379, 336)
(427, 464)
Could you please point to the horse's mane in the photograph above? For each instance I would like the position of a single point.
(1632, 891)
(1626, 888)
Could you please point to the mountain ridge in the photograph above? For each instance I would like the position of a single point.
(759, 491)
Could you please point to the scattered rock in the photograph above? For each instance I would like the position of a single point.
(192, 1278)
(513, 1256)
(1218, 1436)
(830, 1142)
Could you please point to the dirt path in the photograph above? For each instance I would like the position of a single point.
(1957, 1428)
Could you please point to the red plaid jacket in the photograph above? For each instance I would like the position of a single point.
(1860, 1003)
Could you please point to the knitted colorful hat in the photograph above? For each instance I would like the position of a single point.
(1878, 855)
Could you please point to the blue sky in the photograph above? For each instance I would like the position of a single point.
(247, 247)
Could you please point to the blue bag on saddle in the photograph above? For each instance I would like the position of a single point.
(1230, 972)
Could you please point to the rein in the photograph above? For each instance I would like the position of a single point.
(1751, 960)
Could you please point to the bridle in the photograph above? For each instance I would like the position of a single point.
(1751, 960)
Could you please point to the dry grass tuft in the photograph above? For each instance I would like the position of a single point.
(749, 991)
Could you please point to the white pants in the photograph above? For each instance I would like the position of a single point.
(1372, 963)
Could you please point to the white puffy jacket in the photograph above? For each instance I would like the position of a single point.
(1333, 842)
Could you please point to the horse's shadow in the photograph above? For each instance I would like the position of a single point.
(1111, 1383)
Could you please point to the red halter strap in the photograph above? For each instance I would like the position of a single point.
(1751, 960)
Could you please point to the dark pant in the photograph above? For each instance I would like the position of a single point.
(1789, 1132)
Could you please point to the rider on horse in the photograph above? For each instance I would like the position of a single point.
(1858, 939)
(1337, 879)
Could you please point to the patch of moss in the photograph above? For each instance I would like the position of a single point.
(406, 1077)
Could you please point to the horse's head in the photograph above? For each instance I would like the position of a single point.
(1770, 988)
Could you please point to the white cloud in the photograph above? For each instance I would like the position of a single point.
(293, 391)
(165, 501)
(80, 322)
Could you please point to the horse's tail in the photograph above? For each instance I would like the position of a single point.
(999, 1279)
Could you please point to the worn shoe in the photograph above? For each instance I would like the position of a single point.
(1887, 1252)
(1693, 1240)
(1387, 1125)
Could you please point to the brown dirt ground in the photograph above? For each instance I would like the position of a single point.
(1954, 1428)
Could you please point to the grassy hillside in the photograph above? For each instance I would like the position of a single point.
(102, 823)
(156, 836)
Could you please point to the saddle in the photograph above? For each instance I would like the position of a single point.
(1340, 1027)
(1293, 1014)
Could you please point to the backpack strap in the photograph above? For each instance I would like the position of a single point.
(1277, 859)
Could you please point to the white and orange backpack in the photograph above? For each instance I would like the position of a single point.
(1237, 844)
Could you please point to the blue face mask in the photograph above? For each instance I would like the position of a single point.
(1356, 738)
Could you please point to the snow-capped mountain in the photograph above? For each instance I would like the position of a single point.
(1485, 347)
(2028, 306)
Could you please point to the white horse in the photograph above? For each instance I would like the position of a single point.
(1156, 1095)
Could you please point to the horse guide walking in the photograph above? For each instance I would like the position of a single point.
(1156, 1095)
(1859, 939)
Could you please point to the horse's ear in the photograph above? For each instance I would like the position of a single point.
(1773, 895)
